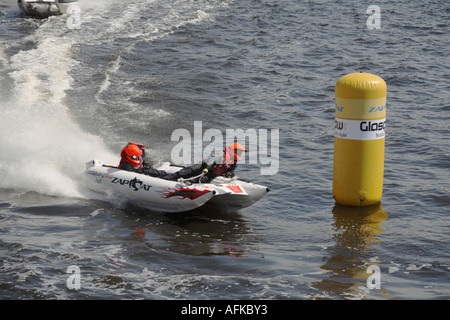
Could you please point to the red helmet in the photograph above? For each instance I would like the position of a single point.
(235, 150)
(132, 154)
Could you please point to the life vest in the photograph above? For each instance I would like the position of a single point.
(220, 169)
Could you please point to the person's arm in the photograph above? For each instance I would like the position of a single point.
(154, 172)
(126, 166)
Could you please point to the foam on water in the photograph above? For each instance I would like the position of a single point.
(257, 64)
(42, 149)
(131, 24)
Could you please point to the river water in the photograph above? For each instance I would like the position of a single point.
(139, 70)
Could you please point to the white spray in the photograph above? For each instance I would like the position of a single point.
(42, 149)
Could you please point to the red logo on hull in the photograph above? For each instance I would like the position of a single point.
(183, 193)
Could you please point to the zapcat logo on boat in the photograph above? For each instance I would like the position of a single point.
(134, 184)
(262, 146)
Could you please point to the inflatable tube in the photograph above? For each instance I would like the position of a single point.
(45, 8)
(228, 194)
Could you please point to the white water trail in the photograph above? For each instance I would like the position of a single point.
(42, 149)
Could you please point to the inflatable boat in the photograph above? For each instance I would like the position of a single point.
(45, 8)
(225, 194)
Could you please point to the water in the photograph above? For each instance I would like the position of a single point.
(141, 69)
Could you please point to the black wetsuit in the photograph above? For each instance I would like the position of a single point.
(197, 169)
(147, 170)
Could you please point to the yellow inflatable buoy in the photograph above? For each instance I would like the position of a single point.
(360, 124)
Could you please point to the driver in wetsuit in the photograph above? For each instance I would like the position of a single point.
(132, 160)
(222, 164)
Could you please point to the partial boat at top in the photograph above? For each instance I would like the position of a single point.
(45, 8)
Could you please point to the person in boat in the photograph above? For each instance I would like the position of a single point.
(132, 159)
(222, 164)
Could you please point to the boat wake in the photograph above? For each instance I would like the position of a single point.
(43, 143)
(42, 148)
